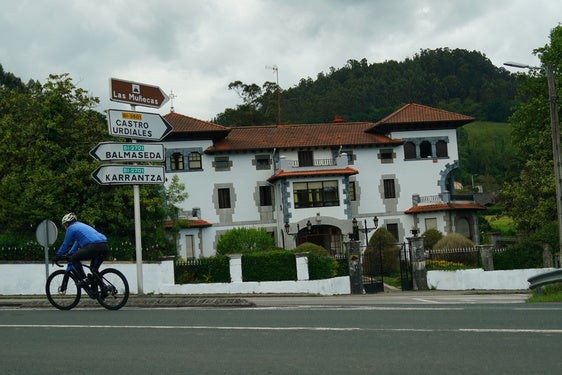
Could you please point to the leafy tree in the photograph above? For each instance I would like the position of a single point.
(388, 263)
(431, 237)
(46, 132)
(531, 198)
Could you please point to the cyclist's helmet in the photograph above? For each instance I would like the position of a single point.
(69, 218)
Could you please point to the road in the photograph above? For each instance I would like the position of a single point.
(431, 333)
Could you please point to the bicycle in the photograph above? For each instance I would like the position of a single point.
(108, 286)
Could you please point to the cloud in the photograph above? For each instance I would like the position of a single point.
(196, 48)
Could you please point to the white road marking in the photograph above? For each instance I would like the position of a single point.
(244, 328)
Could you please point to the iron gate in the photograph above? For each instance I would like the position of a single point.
(388, 259)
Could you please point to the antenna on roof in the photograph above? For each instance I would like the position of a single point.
(275, 68)
(172, 96)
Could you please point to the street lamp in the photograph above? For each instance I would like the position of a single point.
(365, 229)
(555, 125)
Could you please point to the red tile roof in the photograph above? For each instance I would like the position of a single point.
(300, 136)
(193, 223)
(444, 207)
(347, 171)
(182, 123)
(416, 115)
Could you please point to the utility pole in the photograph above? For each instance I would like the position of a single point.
(275, 68)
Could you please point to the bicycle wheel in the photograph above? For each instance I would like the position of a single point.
(114, 292)
(62, 291)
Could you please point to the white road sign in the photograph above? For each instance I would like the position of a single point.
(137, 125)
(139, 152)
(120, 174)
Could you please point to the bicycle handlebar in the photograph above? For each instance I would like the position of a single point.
(57, 259)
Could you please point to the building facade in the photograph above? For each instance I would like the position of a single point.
(316, 182)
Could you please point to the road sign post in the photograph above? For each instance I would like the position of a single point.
(46, 234)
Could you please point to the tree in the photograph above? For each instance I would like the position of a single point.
(46, 132)
(531, 199)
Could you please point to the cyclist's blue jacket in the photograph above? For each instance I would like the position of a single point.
(82, 235)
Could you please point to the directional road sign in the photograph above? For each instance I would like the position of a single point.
(137, 125)
(119, 174)
(136, 93)
(139, 152)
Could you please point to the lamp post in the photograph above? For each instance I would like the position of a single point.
(555, 127)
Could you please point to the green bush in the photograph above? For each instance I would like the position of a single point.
(322, 267)
(453, 241)
(274, 265)
(431, 237)
(389, 263)
(244, 241)
(526, 254)
(311, 248)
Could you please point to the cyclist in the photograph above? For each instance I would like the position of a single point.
(87, 244)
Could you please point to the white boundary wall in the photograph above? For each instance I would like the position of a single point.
(158, 278)
(29, 279)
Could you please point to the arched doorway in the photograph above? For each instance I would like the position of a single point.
(328, 236)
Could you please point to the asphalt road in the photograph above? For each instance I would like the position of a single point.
(432, 333)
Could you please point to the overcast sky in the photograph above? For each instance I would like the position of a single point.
(195, 48)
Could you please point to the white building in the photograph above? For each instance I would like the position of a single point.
(307, 182)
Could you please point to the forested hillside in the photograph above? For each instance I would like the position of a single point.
(457, 80)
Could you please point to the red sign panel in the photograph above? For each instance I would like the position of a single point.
(137, 93)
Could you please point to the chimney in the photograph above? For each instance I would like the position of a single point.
(338, 119)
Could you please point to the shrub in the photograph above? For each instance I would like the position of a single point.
(526, 254)
(453, 241)
(311, 248)
(274, 265)
(322, 267)
(431, 237)
(244, 241)
(381, 241)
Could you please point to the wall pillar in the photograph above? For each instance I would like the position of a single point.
(355, 272)
(419, 273)
(487, 257)
(235, 265)
(302, 267)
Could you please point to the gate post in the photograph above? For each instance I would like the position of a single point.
(419, 273)
(355, 272)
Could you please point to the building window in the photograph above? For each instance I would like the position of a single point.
(425, 150)
(306, 159)
(430, 223)
(441, 148)
(316, 194)
(393, 229)
(224, 197)
(262, 162)
(222, 163)
(352, 194)
(389, 189)
(176, 161)
(410, 150)
(194, 161)
(266, 198)
(386, 156)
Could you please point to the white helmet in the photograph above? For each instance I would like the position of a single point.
(69, 218)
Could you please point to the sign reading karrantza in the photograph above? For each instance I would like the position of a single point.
(137, 125)
(129, 174)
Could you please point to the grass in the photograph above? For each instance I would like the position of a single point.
(502, 224)
(550, 293)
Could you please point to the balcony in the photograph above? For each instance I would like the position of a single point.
(316, 164)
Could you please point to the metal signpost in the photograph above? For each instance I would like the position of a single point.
(46, 234)
(133, 125)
